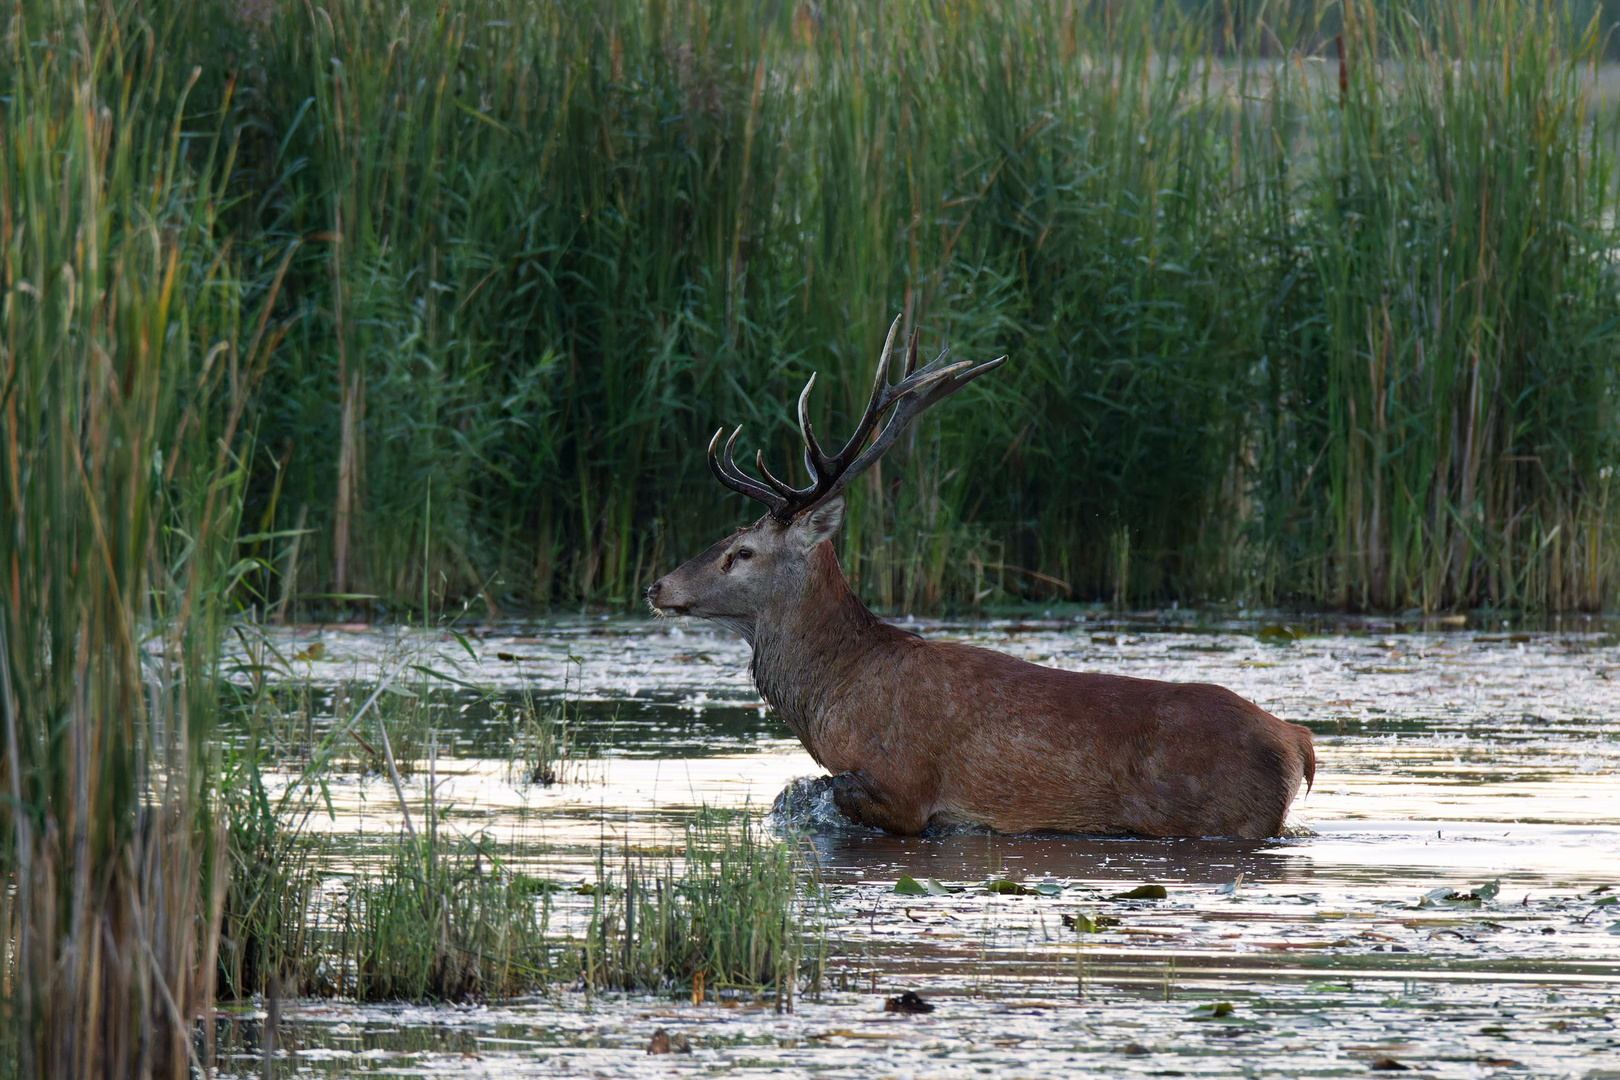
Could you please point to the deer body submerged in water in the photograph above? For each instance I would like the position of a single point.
(919, 733)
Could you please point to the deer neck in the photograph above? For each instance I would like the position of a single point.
(807, 653)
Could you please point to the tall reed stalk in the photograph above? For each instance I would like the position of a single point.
(127, 363)
(1456, 226)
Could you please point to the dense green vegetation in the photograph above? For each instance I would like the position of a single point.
(1282, 328)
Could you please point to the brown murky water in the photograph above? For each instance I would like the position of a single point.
(1449, 759)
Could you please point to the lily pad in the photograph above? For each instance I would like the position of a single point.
(1143, 892)
(1212, 1010)
(1325, 987)
(524, 885)
(910, 886)
(1003, 887)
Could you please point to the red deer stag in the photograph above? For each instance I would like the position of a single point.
(930, 733)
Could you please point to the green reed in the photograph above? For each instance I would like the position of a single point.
(553, 246)
(131, 342)
(1458, 229)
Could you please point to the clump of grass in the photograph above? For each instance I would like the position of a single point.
(735, 914)
(538, 750)
(442, 925)
(453, 921)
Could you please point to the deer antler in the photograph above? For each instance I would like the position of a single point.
(918, 389)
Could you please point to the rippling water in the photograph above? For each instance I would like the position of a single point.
(1447, 757)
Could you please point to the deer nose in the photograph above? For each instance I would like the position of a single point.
(653, 591)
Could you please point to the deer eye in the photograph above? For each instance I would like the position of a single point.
(745, 553)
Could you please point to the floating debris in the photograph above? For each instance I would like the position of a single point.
(908, 1002)
(663, 1042)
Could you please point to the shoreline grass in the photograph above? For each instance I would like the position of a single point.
(131, 341)
(455, 920)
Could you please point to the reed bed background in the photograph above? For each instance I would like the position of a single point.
(1306, 303)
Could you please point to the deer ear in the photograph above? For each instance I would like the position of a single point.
(821, 523)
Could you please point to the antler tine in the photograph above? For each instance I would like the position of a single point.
(724, 467)
(787, 491)
(883, 395)
(881, 390)
(917, 390)
(814, 460)
(940, 384)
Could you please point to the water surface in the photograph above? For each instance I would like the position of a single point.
(1448, 757)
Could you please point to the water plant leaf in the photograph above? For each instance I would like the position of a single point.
(1614, 927)
(1211, 1010)
(1325, 987)
(1451, 898)
(1085, 923)
(937, 888)
(910, 886)
(1143, 892)
(1489, 890)
(662, 1042)
(1606, 901)
(462, 639)
(1231, 887)
(1049, 888)
(1003, 887)
(524, 885)
(424, 669)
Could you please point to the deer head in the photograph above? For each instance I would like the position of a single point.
(768, 566)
